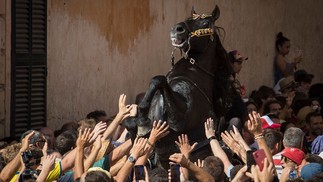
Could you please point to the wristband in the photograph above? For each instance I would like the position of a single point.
(212, 138)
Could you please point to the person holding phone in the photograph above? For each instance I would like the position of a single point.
(282, 67)
(291, 159)
(141, 173)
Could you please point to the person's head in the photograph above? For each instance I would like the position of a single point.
(67, 126)
(304, 80)
(214, 166)
(301, 116)
(37, 140)
(236, 60)
(66, 141)
(310, 158)
(293, 138)
(314, 123)
(273, 139)
(310, 170)
(287, 85)
(49, 135)
(264, 94)
(282, 44)
(316, 90)
(10, 152)
(292, 157)
(158, 175)
(32, 157)
(87, 123)
(251, 106)
(97, 174)
(274, 118)
(285, 125)
(97, 115)
(272, 106)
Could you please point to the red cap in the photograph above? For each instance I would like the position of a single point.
(268, 123)
(294, 154)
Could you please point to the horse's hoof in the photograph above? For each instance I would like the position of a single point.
(144, 126)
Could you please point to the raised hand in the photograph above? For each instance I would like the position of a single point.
(133, 109)
(179, 159)
(236, 134)
(241, 175)
(184, 145)
(209, 128)
(267, 173)
(158, 131)
(254, 124)
(228, 139)
(124, 110)
(49, 163)
(98, 130)
(83, 138)
(138, 148)
(25, 142)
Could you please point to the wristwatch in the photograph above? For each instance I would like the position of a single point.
(211, 138)
(131, 159)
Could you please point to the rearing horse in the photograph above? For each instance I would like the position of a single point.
(197, 86)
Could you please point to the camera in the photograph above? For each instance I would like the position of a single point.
(28, 155)
(30, 158)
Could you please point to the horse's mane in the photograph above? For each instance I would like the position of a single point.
(225, 90)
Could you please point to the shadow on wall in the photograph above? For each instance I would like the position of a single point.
(133, 17)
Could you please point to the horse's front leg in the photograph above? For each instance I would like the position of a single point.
(155, 84)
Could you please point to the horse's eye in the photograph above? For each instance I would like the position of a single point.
(205, 23)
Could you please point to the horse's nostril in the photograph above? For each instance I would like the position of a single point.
(179, 29)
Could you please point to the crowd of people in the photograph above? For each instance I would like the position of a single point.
(276, 135)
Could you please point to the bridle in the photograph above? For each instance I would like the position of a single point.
(197, 33)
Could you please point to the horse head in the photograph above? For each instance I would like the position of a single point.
(187, 35)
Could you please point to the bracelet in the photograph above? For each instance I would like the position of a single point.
(259, 136)
(148, 142)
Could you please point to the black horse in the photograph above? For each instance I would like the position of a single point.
(197, 87)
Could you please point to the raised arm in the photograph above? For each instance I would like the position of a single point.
(82, 140)
(89, 161)
(186, 148)
(198, 172)
(158, 131)
(255, 127)
(13, 166)
(234, 146)
(47, 166)
(215, 145)
(138, 150)
(123, 113)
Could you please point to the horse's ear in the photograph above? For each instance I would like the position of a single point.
(193, 11)
(216, 13)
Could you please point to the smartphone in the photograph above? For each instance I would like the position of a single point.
(175, 173)
(259, 156)
(140, 172)
(250, 159)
